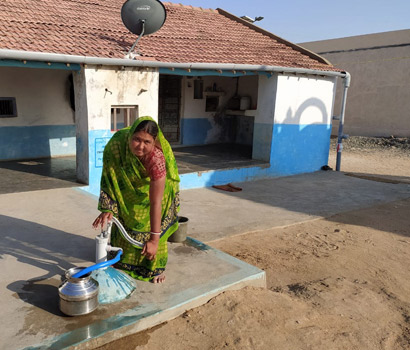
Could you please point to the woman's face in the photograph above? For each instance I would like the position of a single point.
(141, 144)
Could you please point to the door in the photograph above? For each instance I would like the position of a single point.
(169, 106)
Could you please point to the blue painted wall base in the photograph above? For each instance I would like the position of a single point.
(194, 131)
(299, 149)
(97, 139)
(294, 149)
(42, 141)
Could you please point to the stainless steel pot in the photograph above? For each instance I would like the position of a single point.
(78, 296)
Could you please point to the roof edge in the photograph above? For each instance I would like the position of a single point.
(301, 49)
(6, 54)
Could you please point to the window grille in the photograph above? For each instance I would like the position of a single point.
(123, 116)
(8, 107)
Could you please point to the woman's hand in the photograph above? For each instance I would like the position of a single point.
(102, 220)
(150, 248)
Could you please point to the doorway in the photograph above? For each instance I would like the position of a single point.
(170, 106)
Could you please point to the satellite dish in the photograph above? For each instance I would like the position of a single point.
(136, 12)
(143, 17)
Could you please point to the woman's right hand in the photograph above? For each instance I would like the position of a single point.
(102, 220)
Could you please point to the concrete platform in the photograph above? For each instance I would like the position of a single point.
(283, 201)
(47, 232)
(44, 233)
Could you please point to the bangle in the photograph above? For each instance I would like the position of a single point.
(156, 233)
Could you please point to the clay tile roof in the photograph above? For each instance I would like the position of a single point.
(189, 35)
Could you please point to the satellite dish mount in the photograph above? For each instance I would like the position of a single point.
(130, 52)
(142, 17)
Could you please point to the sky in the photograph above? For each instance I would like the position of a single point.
(311, 20)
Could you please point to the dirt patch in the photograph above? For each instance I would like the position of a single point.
(360, 143)
(378, 159)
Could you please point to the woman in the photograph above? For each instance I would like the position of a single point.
(140, 187)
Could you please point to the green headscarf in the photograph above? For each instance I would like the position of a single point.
(126, 183)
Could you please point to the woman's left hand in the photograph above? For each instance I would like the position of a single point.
(150, 248)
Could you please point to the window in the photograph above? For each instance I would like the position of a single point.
(8, 107)
(198, 89)
(123, 116)
(212, 103)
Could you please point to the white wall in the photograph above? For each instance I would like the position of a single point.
(42, 96)
(290, 100)
(378, 100)
(302, 123)
(266, 99)
(263, 126)
(129, 86)
(304, 100)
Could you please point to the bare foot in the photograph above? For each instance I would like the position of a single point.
(159, 279)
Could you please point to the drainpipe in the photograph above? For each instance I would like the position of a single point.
(340, 135)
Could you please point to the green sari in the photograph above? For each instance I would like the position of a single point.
(125, 192)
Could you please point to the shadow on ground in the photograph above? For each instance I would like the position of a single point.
(285, 201)
(45, 255)
(38, 174)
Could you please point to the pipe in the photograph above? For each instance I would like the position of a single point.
(62, 58)
(104, 237)
(340, 135)
(125, 234)
(101, 245)
(99, 265)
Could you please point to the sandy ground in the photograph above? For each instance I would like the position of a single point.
(336, 283)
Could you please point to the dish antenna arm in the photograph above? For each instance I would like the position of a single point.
(130, 52)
